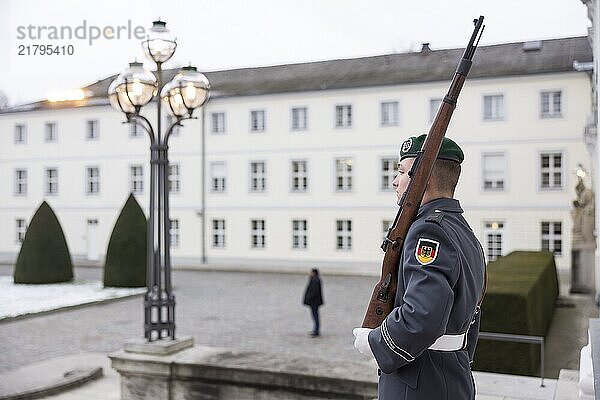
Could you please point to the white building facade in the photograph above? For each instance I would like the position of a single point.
(299, 159)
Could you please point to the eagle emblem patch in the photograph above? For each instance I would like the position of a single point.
(427, 251)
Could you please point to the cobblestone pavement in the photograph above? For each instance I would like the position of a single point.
(246, 311)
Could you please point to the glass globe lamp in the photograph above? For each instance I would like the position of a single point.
(132, 89)
(188, 90)
(160, 45)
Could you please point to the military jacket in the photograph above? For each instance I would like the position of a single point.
(440, 282)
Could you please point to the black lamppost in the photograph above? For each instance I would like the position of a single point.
(187, 91)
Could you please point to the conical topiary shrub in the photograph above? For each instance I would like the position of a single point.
(125, 264)
(44, 255)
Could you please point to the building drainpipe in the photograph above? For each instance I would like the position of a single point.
(203, 205)
(596, 154)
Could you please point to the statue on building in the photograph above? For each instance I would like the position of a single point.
(583, 214)
(583, 239)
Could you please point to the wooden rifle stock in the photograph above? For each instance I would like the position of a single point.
(384, 293)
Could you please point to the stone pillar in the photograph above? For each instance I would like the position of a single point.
(149, 376)
(582, 270)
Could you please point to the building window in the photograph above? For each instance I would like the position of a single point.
(218, 233)
(136, 179)
(434, 106)
(493, 171)
(299, 176)
(343, 175)
(389, 168)
(385, 226)
(174, 181)
(552, 237)
(344, 234)
(258, 233)
(92, 129)
(299, 234)
(551, 170)
(51, 181)
(493, 107)
(50, 132)
(550, 104)
(493, 239)
(135, 130)
(257, 121)
(20, 134)
(217, 122)
(21, 229)
(218, 174)
(20, 182)
(174, 233)
(343, 116)
(258, 176)
(389, 113)
(299, 119)
(93, 180)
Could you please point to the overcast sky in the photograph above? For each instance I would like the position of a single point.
(222, 34)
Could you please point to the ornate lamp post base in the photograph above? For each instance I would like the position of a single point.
(159, 347)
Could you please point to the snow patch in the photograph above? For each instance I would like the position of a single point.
(21, 299)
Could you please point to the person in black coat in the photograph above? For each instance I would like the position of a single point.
(313, 297)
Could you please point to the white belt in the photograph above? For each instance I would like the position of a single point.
(449, 342)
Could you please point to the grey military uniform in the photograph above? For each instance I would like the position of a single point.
(440, 282)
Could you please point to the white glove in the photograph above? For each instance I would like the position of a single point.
(361, 341)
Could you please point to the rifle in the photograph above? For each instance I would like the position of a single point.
(384, 293)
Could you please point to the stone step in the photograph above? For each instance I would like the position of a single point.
(50, 377)
(567, 387)
(492, 386)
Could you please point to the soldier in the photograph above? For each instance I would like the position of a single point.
(425, 346)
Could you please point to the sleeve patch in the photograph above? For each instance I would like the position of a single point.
(427, 251)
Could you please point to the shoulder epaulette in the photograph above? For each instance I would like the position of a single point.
(437, 216)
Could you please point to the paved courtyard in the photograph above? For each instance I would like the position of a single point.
(246, 311)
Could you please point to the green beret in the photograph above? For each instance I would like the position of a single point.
(448, 151)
